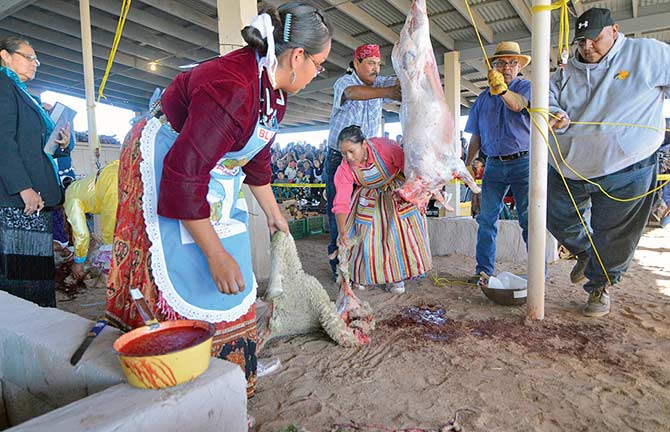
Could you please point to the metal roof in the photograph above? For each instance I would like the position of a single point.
(172, 33)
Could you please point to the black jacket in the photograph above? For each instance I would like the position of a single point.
(23, 163)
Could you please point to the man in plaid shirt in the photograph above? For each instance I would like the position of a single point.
(358, 99)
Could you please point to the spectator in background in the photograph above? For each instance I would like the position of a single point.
(398, 139)
(301, 177)
(291, 171)
(307, 168)
(92, 195)
(478, 174)
(30, 184)
(317, 171)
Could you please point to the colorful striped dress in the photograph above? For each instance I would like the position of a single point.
(394, 242)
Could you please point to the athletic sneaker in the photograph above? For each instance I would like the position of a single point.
(395, 287)
(598, 303)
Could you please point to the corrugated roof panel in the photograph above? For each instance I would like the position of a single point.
(508, 25)
(644, 3)
(467, 33)
(342, 21)
(450, 22)
(200, 7)
(382, 11)
(663, 35)
(438, 6)
(372, 38)
(496, 11)
(340, 49)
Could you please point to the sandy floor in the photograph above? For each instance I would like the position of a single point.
(566, 373)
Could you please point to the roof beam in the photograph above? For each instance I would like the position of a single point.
(180, 10)
(200, 38)
(65, 25)
(129, 73)
(338, 36)
(524, 13)
(365, 19)
(579, 7)
(471, 87)
(484, 29)
(436, 33)
(168, 46)
(60, 63)
(42, 85)
(10, 7)
(631, 25)
(52, 33)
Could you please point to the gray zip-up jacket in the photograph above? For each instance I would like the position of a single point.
(627, 86)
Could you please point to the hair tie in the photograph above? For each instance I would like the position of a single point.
(287, 26)
(263, 23)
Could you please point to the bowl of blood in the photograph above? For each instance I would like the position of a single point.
(154, 357)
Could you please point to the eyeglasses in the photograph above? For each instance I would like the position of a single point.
(501, 64)
(29, 57)
(319, 68)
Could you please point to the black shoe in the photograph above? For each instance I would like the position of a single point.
(577, 272)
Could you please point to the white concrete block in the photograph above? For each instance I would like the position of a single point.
(11, 359)
(215, 401)
(459, 236)
(20, 404)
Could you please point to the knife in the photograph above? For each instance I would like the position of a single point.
(95, 330)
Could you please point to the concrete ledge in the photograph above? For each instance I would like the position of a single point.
(215, 401)
(458, 235)
(37, 381)
(37, 345)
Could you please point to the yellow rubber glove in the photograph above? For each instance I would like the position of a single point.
(496, 83)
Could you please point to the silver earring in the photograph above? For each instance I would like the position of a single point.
(292, 77)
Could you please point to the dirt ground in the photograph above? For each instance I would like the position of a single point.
(438, 351)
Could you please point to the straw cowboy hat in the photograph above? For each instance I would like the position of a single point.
(510, 49)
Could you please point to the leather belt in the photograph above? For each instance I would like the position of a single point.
(512, 156)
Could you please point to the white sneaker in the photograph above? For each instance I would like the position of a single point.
(396, 287)
(359, 286)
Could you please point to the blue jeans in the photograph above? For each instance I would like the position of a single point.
(333, 160)
(615, 227)
(499, 176)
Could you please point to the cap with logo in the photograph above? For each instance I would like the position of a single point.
(591, 23)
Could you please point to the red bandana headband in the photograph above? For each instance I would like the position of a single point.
(366, 51)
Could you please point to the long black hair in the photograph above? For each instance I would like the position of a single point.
(351, 133)
(307, 28)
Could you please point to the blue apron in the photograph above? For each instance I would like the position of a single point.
(179, 267)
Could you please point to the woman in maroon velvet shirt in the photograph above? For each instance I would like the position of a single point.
(181, 234)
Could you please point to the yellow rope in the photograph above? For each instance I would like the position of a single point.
(544, 112)
(564, 24)
(125, 8)
(474, 24)
(564, 45)
(444, 282)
